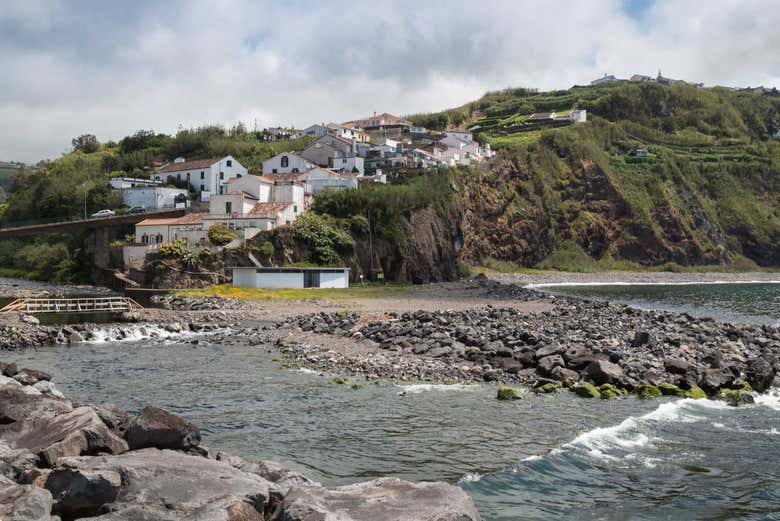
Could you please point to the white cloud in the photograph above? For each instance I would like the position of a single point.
(111, 69)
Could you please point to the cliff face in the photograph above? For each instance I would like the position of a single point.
(427, 250)
(532, 201)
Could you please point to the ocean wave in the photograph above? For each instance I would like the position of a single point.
(770, 399)
(471, 477)
(624, 440)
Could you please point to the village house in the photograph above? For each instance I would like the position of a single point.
(383, 124)
(460, 147)
(604, 79)
(150, 233)
(277, 133)
(348, 132)
(204, 176)
(336, 153)
(313, 130)
(285, 163)
(640, 78)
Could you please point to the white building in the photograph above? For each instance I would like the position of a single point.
(121, 183)
(155, 198)
(313, 130)
(204, 176)
(286, 163)
(317, 179)
(320, 277)
(347, 165)
(348, 132)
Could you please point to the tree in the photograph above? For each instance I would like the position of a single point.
(86, 143)
(220, 234)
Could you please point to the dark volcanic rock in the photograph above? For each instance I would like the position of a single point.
(158, 428)
(677, 366)
(384, 499)
(714, 379)
(760, 374)
(604, 372)
(81, 493)
(179, 485)
(548, 363)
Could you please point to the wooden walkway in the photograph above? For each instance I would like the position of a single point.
(72, 305)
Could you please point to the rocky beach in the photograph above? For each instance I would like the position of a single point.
(75, 460)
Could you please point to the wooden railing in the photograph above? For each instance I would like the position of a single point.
(72, 305)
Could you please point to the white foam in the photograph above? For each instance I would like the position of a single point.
(138, 332)
(471, 477)
(770, 399)
(423, 388)
(306, 370)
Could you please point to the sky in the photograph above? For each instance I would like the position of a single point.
(111, 68)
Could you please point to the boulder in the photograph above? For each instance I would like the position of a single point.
(172, 485)
(158, 428)
(115, 418)
(30, 319)
(16, 406)
(760, 374)
(15, 463)
(274, 472)
(35, 373)
(46, 387)
(548, 363)
(677, 366)
(24, 503)
(550, 350)
(81, 493)
(575, 351)
(581, 362)
(604, 372)
(75, 338)
(73, 433)
(9, 369)
(384, 499)
(564, 375)
(640, 338)
(714, 379)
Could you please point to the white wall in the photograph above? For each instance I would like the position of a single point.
(152, 232)
(334, 279)
(252, 185)
(295, 163)
(244, 278)
(152, 198)
(347, 164)
(279, 280)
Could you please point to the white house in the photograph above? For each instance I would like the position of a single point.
(348, 132)
(286, 163)
(318, 179)
(157, 231)
(352, 164)
(418, 130)
(204, 176)
(577, 116)
(319, 277)
(604, 79)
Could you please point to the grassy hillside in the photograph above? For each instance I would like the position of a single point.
(708, 192)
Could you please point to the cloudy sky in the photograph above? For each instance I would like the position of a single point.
(111, 68)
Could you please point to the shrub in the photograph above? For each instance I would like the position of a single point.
(266, 249)
(325, 236)
(220, 234)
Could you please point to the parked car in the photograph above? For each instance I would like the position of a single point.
(136, 209)
(102, 213)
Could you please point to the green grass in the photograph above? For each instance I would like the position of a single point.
(367, 291)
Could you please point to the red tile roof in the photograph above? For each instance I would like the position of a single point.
(188, 165)
(268, 209)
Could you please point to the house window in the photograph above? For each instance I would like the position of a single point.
(238, 176)
(287, 222)
(159, 238)
(295, 208)
(274, 171)
(285, 161)
(221, 190)
(229, 163)
(144, 239)
(202, 175)
(178, 177)
(222, 175)
(188, 176)
(228, 207)
(294, 170)
(202, 188)
(157, 178)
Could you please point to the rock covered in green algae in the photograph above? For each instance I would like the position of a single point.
(695, 393)
(648, 392)
(586, 390)
(670, 390)
(507, 393)
(547, 388)
(735, 397)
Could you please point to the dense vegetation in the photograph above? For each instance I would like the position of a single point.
(707, 193)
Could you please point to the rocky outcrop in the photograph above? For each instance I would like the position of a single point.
(154, 427)
(60, 461)
(384, 499)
